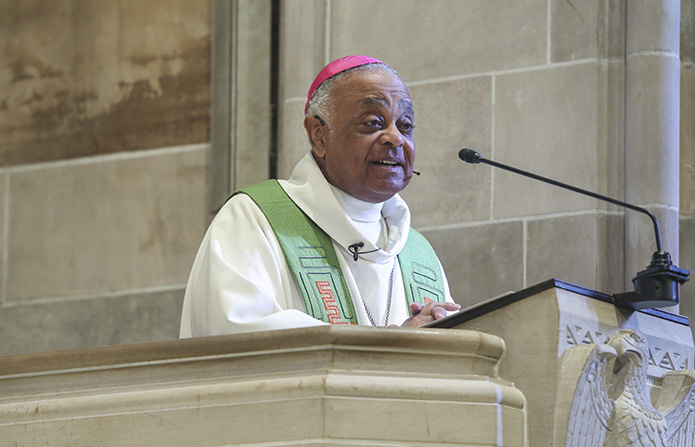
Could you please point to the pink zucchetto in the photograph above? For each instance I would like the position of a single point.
(335, 67)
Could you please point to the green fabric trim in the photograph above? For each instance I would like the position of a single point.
(421, 271)
(309, 253)
(311, 257)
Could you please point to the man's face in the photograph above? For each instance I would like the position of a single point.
(368, 145)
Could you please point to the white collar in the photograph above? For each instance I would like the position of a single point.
(345, 218)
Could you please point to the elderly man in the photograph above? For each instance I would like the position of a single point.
(333, 244)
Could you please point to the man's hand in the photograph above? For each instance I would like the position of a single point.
(429, 313)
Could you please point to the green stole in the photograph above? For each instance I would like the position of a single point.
(314, 263)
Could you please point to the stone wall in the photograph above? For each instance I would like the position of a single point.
(104, 129)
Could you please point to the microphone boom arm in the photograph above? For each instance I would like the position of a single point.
(655, 286)
(477, 158)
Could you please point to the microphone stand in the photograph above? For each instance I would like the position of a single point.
(655, 286)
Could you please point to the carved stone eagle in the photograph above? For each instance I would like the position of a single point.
(612, 405)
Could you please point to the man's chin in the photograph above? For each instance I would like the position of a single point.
(381, 194)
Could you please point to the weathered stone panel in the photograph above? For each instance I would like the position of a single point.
(83, 78)
(425, 40)
(94, 227)
(77, 323)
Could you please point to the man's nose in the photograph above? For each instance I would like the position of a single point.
(392, 136)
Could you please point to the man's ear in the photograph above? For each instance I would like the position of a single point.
(316, 131)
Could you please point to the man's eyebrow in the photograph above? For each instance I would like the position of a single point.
(366, 102)
(403, 103)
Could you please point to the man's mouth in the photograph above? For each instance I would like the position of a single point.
(386, 163)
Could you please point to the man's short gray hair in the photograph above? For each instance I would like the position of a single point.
(321, 102)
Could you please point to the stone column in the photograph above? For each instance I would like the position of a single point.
(652, 95)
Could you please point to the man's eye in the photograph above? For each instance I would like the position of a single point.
(373, 123)
(406, 127)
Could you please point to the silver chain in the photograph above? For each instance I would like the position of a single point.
(388, 301)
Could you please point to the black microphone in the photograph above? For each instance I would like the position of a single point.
(352, 248)
(657, 285)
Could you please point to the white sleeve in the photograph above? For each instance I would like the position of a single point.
(240, 281)
(447, 291)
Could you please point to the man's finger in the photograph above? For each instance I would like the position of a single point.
(440, 310)
(416, 308)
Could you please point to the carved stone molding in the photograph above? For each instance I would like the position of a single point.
(614, 403)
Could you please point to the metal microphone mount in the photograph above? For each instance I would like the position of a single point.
(655, 286)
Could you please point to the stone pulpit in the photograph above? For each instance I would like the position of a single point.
(319, 386)
(593, 374)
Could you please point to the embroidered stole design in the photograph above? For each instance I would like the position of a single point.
(311, 257)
